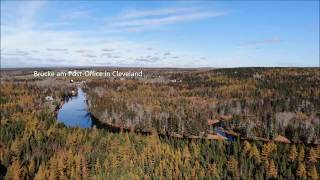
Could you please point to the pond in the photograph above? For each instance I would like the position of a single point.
(74, 113)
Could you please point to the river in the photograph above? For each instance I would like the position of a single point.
(73, 112)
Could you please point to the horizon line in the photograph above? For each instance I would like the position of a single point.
(142, 67)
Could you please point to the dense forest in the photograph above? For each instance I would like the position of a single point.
(254, 102)
(259, 102)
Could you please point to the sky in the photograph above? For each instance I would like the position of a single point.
(159, 33)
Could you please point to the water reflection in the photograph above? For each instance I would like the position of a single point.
(74, 112)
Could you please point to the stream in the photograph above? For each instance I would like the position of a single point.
(74, 113)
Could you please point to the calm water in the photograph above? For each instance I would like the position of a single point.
(74, 112)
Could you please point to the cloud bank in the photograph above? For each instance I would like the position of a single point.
(28, 41)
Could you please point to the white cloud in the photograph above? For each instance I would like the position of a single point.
(166, 20)
(45, 46)
(155, 12)
(141, 20)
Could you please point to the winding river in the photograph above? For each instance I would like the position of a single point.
(73, 112)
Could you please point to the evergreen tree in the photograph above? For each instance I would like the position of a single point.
(267, 149)
(293, 153)
(213, 171)
(32, 167)
(312, 156)
(233, 167)
(41, 174)
(301, 171)
(84, 169)
(272, 170)
(246, 147)
(312, 173)
(255, 153)
(301, 154)
(14, 171)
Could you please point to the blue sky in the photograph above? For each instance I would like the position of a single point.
(159, 33)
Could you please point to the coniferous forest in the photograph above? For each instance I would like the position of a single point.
(236, 123)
